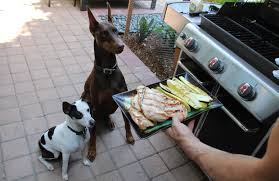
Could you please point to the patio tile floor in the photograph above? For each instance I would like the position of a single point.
(45, 59)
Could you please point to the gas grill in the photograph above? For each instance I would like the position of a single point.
(234, 53)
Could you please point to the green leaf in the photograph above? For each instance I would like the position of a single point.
(145, 28)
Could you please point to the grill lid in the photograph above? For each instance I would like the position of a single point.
(250, 31)
(267, 11)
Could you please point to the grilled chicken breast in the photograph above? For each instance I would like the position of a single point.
(139, 118)
(156, 106)
(135, 102)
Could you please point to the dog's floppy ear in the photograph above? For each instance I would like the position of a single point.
(93, 23)
(109, 13)
(89, 104)
(87, 101)
(66, 107)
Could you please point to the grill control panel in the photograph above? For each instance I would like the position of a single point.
(258, 94)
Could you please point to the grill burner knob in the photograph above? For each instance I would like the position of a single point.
(276, 74)
(246, 91)
(183, 36)
(216, 65)
(191, 44)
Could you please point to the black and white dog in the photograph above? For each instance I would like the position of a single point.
(67, 137)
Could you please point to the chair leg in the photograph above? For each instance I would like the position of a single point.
(75, 2)
(48, 3)
(153, 4)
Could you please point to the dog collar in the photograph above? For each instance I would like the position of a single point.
(107, 71)
(80, 133)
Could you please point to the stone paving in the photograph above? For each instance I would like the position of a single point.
(45, 56)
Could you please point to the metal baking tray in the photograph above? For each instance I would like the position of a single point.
(123, 100)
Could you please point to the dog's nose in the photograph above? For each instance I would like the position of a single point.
(120, 47)
(92, 122)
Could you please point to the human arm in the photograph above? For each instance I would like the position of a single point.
(220, 165)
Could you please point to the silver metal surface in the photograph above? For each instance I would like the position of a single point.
(236, 71)
(182, 7)
(276, 73)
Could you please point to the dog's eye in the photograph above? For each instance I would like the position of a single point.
(104, 34)
(114, 30)
(87, 110)
(78, 115)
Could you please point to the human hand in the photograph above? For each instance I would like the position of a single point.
(180, 132)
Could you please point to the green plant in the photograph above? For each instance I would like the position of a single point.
(221, 1)
(165, 32)
(144, 28)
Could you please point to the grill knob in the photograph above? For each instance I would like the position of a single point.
(183, 36)
(191, 44)
(246, 91)
(276, 74)
(216, 65)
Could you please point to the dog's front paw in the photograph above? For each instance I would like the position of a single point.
(65, 177)
(111, 124)
(86, 162)
(91, 155)
(130, 139)
(50, 167)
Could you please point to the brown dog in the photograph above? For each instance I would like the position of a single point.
(106, 79)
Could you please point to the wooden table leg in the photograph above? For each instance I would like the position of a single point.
(153, 4)
(83, 5)
(129, 17)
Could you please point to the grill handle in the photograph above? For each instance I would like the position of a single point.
(237, 122)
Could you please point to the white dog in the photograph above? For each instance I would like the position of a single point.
(67, 137)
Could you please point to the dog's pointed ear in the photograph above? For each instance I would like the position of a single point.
(93, 23)
(109, 13)
(66, 107)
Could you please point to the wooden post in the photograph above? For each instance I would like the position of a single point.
(129, 16)
(176, 56)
